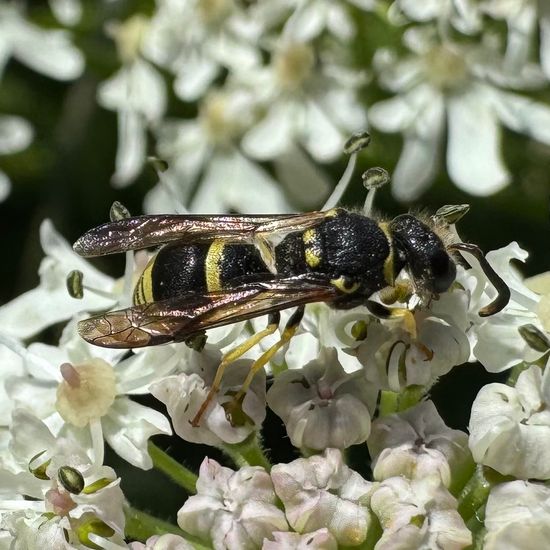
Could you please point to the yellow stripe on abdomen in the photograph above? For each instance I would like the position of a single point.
(143, 293)
(212, 265)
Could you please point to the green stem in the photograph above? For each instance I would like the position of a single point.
(475, 493)
(247, 453)
(476, 526)
(172, 468)
(140, 526)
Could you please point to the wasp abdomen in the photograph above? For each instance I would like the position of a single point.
(199, 268)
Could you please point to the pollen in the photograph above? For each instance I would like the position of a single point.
(217, 117)
(446, 67)
(294, 65)
(86, 392)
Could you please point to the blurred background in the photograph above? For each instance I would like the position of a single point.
(98, 86)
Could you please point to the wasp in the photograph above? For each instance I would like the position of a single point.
(219, 269)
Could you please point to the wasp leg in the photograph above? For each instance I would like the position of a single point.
(399, 292)
(290, 330)
(233, 355)
(384, 312)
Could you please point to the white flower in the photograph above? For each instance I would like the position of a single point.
(522, 17)
(518, 418)
(50, 302)
(315, 107)
(205, 149)
(67, 12)
(70, 489)
(311, 18)
(224, 421)
(418, 514)
(458, 90)
(83, 385)
(137, 93)
(196, 39)
(417, 443)
(322, 491)
(232, 509)
(15, 135)
(322, 327)
(496, 341)
(464, 15)
(517, 517)
(12, 366)
(394, 359)
(163, 542)
(322, 539)
(540, 284)
(322, 406)
(49, 52)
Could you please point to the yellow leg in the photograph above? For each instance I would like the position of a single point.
(400, 292)
(384, 312)
(233, 355)
(289, 331)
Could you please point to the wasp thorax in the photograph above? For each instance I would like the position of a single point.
(293, 65)
(86, 392)
(445, 67)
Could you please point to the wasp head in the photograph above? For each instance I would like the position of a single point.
(420, 249)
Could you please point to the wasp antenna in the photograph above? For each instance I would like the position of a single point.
(352, 147)
(503, 292)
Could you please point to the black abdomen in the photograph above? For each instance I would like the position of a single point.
(203, 268)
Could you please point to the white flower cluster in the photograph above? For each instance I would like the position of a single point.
(343, 381)
(274, 82)
(275, 93)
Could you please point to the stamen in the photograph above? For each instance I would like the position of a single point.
(535, 338)
(451, 213)
(75, 287)
(71, 479)
(373, 179)
(118, 212)
(352, 147)
(74, 284)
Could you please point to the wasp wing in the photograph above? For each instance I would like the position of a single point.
(178, 318)
(145, 231)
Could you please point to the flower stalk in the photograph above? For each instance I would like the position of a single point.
(140, 526)
(247, 453)
(172, 468)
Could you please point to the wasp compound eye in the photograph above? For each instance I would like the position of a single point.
(443, 271)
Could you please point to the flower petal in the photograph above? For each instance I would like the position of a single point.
(474, 157)
(15, 134)
(130, 154)
(127, 428)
